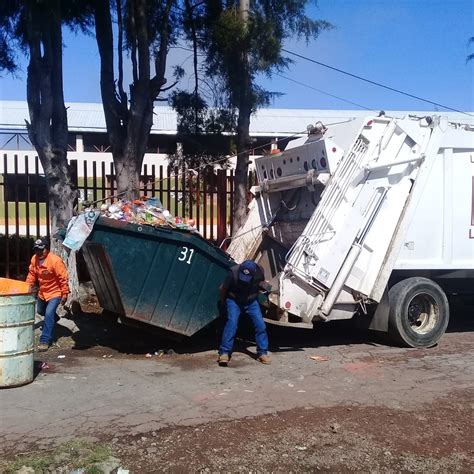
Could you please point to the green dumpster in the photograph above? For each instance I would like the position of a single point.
(164, 277)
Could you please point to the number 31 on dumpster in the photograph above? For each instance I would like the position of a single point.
(186, 255)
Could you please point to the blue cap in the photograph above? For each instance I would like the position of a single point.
(247, 270)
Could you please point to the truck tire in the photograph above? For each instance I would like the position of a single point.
(418, 312)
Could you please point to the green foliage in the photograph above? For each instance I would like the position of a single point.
(201, 131)
(239, 51)
(75, 14)
(12, 33)
(156, 14)
(194, 116)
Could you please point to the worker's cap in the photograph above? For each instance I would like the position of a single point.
(247, 270)
(40, 244)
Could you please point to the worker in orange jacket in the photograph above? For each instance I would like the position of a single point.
(49, 271)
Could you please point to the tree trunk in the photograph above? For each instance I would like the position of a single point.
(48, 129)
(128, 125)
(127, 176)
(62, 192)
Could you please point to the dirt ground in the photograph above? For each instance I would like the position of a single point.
(334, 400)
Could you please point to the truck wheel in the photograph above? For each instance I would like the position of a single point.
(418, 312)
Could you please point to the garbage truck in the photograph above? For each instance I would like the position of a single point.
(373, 218)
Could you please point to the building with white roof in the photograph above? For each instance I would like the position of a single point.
(88, 140)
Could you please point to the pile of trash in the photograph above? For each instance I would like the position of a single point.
(145, 211)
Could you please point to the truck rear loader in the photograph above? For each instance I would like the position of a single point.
(372, 217)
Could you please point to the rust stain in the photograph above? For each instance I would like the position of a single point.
(363, 369)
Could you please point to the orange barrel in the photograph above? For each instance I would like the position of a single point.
(17, 319)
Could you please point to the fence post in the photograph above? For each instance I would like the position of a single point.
(7, 229)
(221, 205)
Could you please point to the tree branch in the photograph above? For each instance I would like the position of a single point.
(142, 42)
(189, 9)
(59, 126)
(121, 92)
(104, 36)
(33, 77)
(160, 57)
(169, 87)
(133, 42)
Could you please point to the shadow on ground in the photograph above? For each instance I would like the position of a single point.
(101, 329)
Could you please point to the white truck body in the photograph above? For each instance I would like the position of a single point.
(397, 204)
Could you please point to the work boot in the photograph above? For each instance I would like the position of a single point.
(223, 360)
(264, 359)
(43, 347)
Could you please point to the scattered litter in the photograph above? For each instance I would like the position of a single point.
(62, 356)
(319, 358)
(335, 427)
(249, 391)
(301, 448)
(148, 355)
(70, 377)
(107, 356)
(170, 352)
(290, 385)
(301, 391)
(121, 470)
(44, 365)
(224, 393)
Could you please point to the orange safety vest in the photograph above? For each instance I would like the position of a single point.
(51, 275)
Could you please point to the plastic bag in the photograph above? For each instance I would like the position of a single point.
(79, 229)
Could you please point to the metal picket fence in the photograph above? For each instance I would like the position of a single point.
(204, 195)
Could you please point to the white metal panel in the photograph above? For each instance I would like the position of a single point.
(441, 231)
(347, 239)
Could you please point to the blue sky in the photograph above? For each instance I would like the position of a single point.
(419, 46)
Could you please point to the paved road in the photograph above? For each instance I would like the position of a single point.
(100, 391)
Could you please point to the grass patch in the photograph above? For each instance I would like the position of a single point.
(72, 455)
(40, 463)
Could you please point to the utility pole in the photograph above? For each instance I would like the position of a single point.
(244, 7)
(243, 126)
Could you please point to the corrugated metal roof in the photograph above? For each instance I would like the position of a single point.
(82, 117)
(87, 117)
